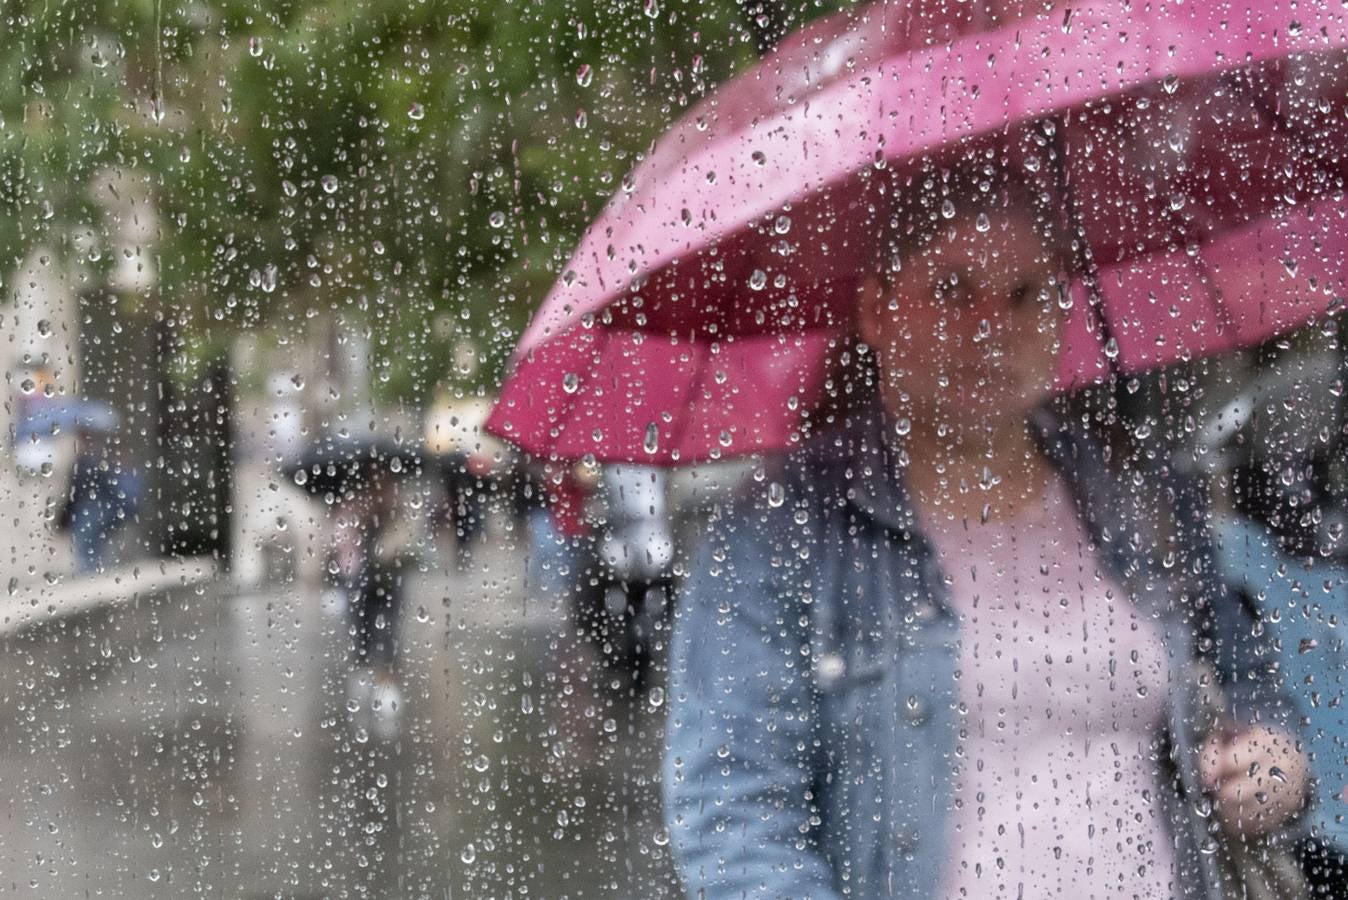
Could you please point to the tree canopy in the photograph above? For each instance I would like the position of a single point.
(421, 169)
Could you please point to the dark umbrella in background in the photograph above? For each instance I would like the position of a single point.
(342, 463)
(52, 417)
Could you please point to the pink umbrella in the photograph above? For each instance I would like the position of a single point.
(694, 317)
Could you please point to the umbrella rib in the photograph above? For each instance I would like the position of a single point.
(1090, 272)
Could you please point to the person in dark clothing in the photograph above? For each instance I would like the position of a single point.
(369, 559)
(104, 497)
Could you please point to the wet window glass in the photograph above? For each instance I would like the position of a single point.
(887, 449)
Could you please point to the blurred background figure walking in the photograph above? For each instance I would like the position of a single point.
(364, 482)
(105, 486)
(475, 469)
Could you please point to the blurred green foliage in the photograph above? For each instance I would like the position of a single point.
(420, 169)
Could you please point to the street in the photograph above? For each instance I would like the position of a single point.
(200, 744)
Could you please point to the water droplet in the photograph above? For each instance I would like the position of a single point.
(1112, 348)
(776, 494)
(570, 382)
(44, 327)
(1064, 296)
(496, 219)
(759, 157)
(255, 47)
(982, 223)
(329, 183)
(469, 854)
(656, 697)
(651, 8)
(947, 209)
(584, 75)
(652, 442)
(416, 112)
(758, 280)
(1170, 84)
(782, 225)
(301, 477)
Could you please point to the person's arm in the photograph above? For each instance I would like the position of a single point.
(1253, 765)
(740, 799)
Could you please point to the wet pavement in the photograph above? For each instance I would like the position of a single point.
(200, 744)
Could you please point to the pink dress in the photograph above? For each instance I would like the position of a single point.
(1062, 686)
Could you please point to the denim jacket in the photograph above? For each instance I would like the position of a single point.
(813, 706)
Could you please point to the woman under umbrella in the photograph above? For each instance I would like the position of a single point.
(957, 647)
(963, 640)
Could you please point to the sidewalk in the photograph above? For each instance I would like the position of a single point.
(37, 602)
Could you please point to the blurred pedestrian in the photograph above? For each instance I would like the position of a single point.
(471, 463)
(105, 487)
(373, 546)
(563, 557)
(958, 644)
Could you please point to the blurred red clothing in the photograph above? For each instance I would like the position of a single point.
(567, 501)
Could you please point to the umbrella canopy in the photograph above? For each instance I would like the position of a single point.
(693, 319)
(51, 417)
(342, 463)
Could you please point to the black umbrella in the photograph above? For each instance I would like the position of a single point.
(341, 463)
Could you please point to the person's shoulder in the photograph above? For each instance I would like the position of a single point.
(788, 491)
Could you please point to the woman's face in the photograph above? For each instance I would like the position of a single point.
(966, 332)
